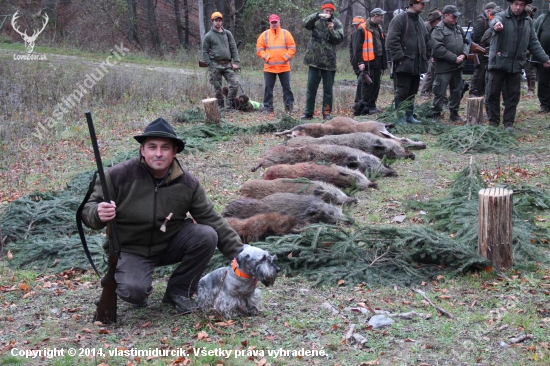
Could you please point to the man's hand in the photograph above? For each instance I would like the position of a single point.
(235, 66)
(361, 67)
(330, 26)
(546, 64)
(460, 59)
(106, 211)
(324, 15)
(498, 27)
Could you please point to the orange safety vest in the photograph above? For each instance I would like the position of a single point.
(276, 48)
(368, 44)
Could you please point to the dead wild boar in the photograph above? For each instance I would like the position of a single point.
(345, 125)
(259, 227)
(305, 208)
(363, 141)
(340, 155)
(259, 188)
(339, 176)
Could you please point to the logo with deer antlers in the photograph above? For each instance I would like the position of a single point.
(29, 40)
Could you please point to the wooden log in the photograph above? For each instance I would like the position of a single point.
(211, 111)
(495, 226)
(475, 108)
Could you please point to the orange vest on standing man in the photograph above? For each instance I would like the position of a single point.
(368, 43)
(276, 47)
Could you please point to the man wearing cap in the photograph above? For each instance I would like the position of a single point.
(220, 53)
(326, 34)
(450, 51)
(409, 45)
(357, 21)
(148, 192)
(434, 17)
(481, 24)
(530, 70)
(514, 35)
(370, 55)
(542, 29)
(276, 47)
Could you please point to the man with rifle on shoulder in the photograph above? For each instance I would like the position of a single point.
(370, 55)
(151, 197)
(481, 24)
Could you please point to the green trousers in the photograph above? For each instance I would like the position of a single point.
(314, 77)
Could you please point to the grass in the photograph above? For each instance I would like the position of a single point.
(56, 309)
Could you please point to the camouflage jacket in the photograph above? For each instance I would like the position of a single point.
(321, 49)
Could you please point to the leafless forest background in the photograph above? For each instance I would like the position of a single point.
(158, 27)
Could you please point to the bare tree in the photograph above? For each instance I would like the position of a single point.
(153, 28)
(179, 25)
(201, 18)
(133, 33)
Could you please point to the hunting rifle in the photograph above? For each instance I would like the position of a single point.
(204, 64)
(106, 307)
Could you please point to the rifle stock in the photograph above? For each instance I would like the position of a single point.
(202, 63)
(106, 307)
(477, 49)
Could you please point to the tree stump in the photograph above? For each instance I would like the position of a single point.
(211, 111)
(475, 111)
(495, 226)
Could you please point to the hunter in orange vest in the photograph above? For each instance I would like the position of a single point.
(371, 59)
(276, 47)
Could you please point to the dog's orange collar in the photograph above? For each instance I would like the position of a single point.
(237, 271)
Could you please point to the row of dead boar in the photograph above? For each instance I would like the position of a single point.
(304, 175)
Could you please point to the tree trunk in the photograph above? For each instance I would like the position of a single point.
(202, 10)
(186, 21)
(495, 226)
(211, 111)
(475, 111)
(179, 25)
(133, 31)
(153, 28)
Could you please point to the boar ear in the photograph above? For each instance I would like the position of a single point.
(351, 162)
(311, 211)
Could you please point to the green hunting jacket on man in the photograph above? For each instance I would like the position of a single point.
(142, 207)
(409, 43)
(508, 50)
(219, 46)
(447, 44)
(321, 49)
(481, 24)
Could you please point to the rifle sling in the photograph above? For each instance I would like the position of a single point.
(79, 222)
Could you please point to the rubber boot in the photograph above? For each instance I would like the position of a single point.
(401, 119)
(435, 117)
(229, 105)
(221, 104)
(409, 116)
(455, 117)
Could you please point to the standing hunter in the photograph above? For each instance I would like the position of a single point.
(409, 45)
(356, 22)
(450, 51)
(326, 34)
(434, 17)
(220, 53)
(370, 55)
(481, 24)
(542, 28)
(514, 35)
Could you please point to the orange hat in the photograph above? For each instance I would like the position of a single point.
(358, 20)
(215, 15)
(328, 4)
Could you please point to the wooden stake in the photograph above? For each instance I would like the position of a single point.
(211, 111)
(495, 226)
(475, 108)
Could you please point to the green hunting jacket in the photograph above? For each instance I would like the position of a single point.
(219, 46)
(408, 42)
(142, 206)
(321, 49)
(447, 44)
(508, 50)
